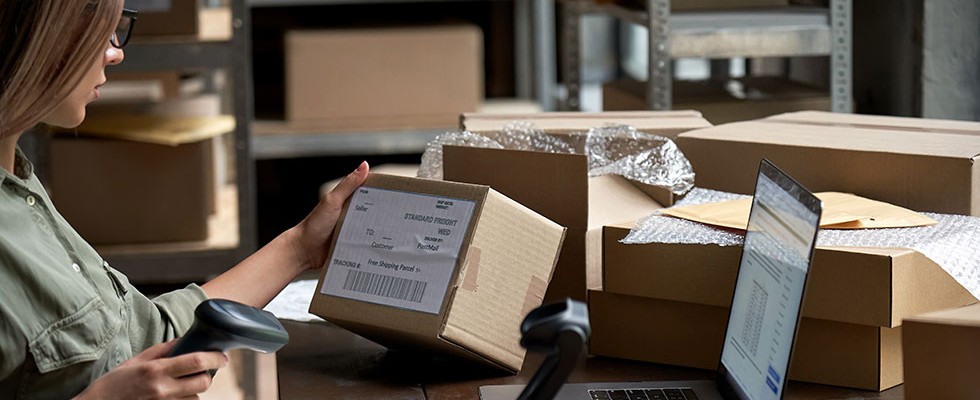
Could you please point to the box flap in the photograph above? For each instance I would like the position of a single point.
(555, 185)
(857, 139)
(962, 316)
(507, 268)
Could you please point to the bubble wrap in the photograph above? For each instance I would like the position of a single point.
(951, 243)
(642, 157)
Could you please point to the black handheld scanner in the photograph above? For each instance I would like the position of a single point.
(222, 325)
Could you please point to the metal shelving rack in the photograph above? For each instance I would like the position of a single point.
(781, 32)
(535, 66)
(159, 264)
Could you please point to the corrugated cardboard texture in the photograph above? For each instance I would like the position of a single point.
(687, 334)
(664, 123)
(112, 201)
(481, 314)
(383, 78)
(558, 187)
(923, 171)
(942, 354)
(517, 248)
(889, 284)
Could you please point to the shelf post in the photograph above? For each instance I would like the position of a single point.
(659, 85)
(840, 55)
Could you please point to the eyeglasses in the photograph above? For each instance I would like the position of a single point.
(124, 30)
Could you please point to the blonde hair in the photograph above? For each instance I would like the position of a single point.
(47, 46)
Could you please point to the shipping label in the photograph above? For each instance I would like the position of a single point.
(398, 248)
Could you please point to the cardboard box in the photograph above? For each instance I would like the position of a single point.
(165, 17)
(752, 98)
(558, 186)
(689, 334)
(664, 123)
(701, 5)
(889, 283)
(920, 164)
(383, 78)
(942, 354)
(136, 187)
(466, 277)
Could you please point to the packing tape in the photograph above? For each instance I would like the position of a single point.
(471, 269)
(534, 295)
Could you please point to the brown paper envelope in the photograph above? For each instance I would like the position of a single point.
(878, 213)
(840, 211)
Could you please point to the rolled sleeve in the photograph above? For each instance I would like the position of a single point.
(178, 308)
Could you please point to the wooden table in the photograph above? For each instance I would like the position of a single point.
(322, 361)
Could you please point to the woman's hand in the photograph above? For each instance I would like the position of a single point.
(314, 232)
(150, 375)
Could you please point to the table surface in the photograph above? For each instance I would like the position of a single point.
(323, 361)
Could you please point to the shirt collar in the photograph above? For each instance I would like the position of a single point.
(22, 167)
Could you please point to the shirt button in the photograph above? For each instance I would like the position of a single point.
(75, 267)
(31, 200)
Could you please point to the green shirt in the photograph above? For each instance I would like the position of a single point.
(66, 316)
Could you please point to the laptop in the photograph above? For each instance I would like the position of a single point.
(765, 312)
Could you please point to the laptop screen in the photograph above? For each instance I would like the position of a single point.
(768, 295)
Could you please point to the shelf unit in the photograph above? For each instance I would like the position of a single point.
(779, 32)
(535, 67)
(183, 262)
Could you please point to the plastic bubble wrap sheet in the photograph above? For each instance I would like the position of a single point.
(951, 243)
(614, 149)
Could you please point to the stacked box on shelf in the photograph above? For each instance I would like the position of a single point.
(856, 298)
(735, 100)
(391, 78)
(558, 185)
(180, 18)
(146, 179)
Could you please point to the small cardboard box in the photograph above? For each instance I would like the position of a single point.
(664, 123)
(689, 334)
(383, 78)
(438, 266)
(942, 354)
(558, 185)
(889, 283)
(920, 164)
(759, 97)
(145, 179)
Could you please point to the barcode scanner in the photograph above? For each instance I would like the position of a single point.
(222, 325)
(560, 330)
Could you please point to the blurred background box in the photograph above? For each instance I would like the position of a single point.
(180, 18)
(693, 5)
(723, 102)
(383, 78)
(942, 354)
(137, 179)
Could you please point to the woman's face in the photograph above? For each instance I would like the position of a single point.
(71, 111)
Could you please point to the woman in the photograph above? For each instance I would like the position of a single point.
(70, 325)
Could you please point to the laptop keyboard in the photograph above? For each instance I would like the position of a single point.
(644, 394)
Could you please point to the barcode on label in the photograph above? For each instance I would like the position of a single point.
(385, 286)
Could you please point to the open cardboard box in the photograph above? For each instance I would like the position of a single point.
(920, 164)
(691, 335)
(889, 283)
(941, 351)
(558, 185)
(438, 266)
(855, 302)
